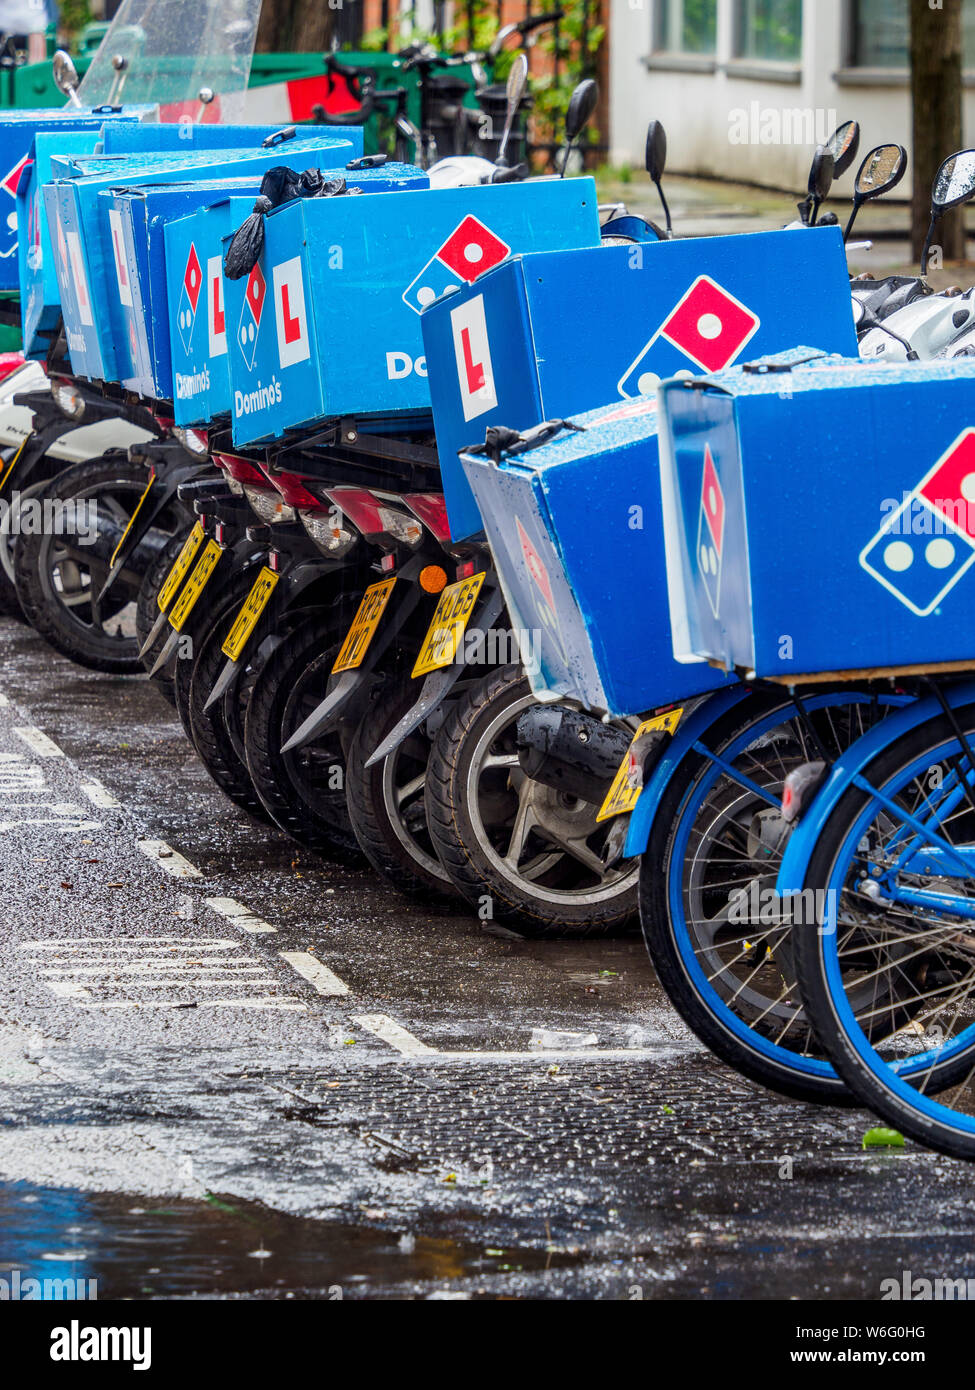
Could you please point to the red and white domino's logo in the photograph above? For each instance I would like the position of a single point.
(710, 539)
(475, 371)
(710, 325)
(118, 252)
(290, 317)
(216, 314)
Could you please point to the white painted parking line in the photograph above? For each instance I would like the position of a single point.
(168, 860)
(239, 916)
(157, 972)
(100, 796)
(324, 980)
(387, 1030)
(39, 742)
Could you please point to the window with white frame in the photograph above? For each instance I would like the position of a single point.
(687, 26)
(881, 33)
(769, 30)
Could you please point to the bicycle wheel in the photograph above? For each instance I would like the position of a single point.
(888, 978)
(718, 940)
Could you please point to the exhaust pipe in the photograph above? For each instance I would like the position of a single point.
(570, 752)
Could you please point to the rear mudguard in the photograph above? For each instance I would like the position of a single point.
(295, 581)
(691, 729)
(348, 690)
(803, 841)
(161, 496)
(437, 685)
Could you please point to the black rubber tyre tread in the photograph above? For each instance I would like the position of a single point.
(450, 829)
(324, 828)
(377, 839)
(48, 619)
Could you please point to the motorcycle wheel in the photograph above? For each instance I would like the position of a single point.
(212, 732)
(530, 852)
(386, 801)
(302, 791)
(58, 591)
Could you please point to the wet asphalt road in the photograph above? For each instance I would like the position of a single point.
(229, 1069)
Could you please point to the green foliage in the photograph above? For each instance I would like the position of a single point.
(75, 14)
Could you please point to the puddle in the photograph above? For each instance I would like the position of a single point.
(138, 1248)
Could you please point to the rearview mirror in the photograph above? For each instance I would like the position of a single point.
(515, 91)
(582, 104)
(955, 183)
(881, 170)
(66, 76)
(953, 186)
(821, 175)
(844, 145)
(656, 151)
(656, 162)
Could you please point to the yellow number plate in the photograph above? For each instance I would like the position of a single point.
(364, 625)
(247, 618)
(177, 574)
(138, 509)
(623, 796)
(449, 623)
(195, 585)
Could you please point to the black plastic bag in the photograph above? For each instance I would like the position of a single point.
(278, 186)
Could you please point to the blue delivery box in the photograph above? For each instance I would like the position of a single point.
(346, 280)
(40, 300)
(549, 334)
(197, 333)
(575, 531)
(17, 132)
(86, 275)
(820, 517)
(182, 137)
(138, 311)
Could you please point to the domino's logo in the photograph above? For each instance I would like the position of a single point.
(9, 184)
(709, 328)
(927, 546)
(250, 318)
(189, 297)
(469, 251)
(710, 535)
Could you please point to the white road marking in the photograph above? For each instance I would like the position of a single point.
(39, 742)
(238, 915)
(68, 989)
(167, 859)
(4, 702)
(100, 796)
(324, 980)
(387, 1030)
(130, 972)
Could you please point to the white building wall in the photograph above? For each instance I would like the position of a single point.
(698, 99)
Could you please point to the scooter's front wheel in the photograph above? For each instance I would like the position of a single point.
(717, 936)
(386, 801)
(303, 791)
(61, 566)
(512, 846)
(887, 969)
